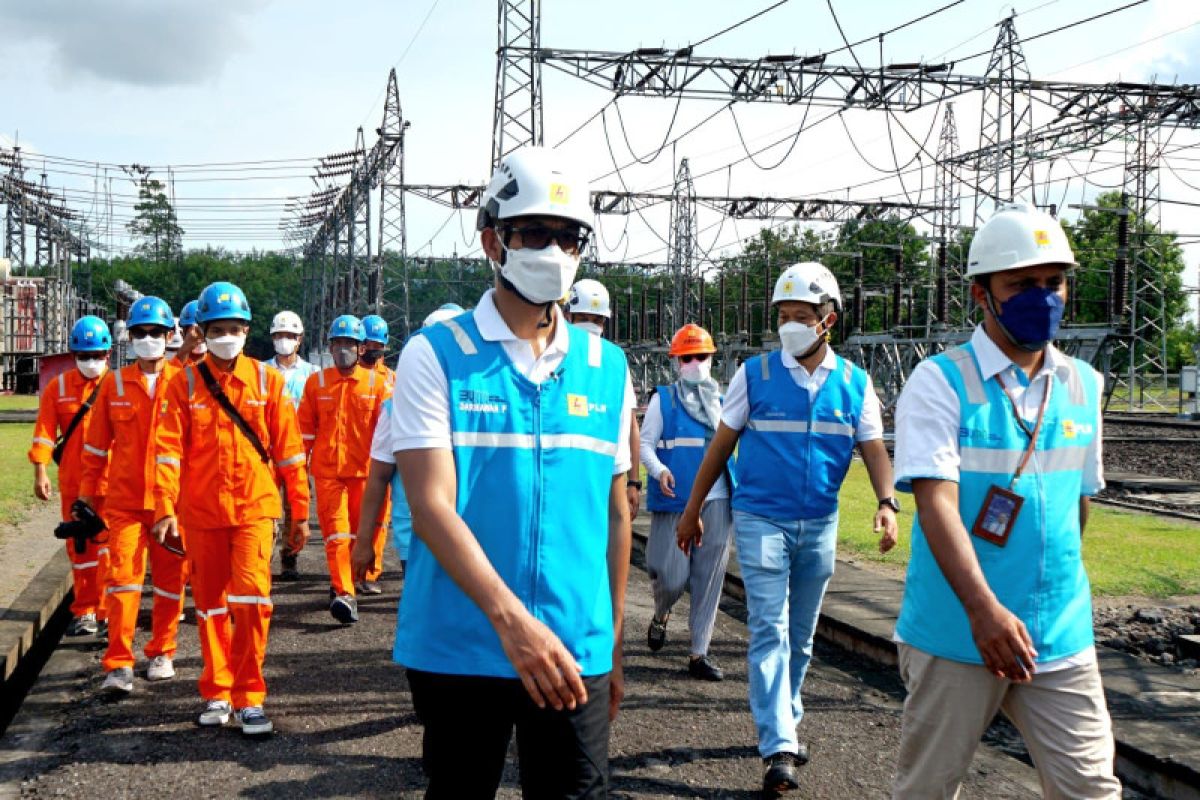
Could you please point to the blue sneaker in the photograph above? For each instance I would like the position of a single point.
(254, 721)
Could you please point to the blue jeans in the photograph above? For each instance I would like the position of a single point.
(786, 565)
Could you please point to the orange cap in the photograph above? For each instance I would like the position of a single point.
(691, 340)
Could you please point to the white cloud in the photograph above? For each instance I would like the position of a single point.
(140, 42)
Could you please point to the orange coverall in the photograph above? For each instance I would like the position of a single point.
(123, 422)
(59, 402)
(337, 420)
(229, 503)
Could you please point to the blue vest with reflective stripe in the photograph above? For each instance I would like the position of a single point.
(1038, 575)
(534, 467)
(681, 448)
(796, 452)
(401, 516)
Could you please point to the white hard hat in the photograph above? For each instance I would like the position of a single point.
(176, 340)
(287, 322)
(448, 311)
(808, 282)
(589, 297)
(1017, 236)
(535, 180)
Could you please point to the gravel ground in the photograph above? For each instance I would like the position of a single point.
(346, 727)
(1149, 632)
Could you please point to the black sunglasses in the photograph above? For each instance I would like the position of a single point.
(697, 357)
(92, 356)
(142, 333)
(572, 240)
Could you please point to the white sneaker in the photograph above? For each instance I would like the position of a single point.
(160, 669)
(119, 682)
(216, 713)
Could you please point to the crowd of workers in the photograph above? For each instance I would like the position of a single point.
(503, 460)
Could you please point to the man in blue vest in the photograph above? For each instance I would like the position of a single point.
(999, 442)
(511, 429)
(798, 413)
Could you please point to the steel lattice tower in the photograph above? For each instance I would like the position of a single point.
(14, 217)
(518, 113)
(681, 249)
(1006, 115)
(951, 306)
(393, 226)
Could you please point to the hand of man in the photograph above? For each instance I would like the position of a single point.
(41, 485)
(546, 668)
(885, 520)
(297, 536)
(689, 532)
(362, 558)
(634, 495)
(88, 501)
(666, 483)
(616, 684)
(1004, 643)
(165, 528)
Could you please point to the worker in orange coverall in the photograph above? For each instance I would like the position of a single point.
(338, 413)
(123, 422)
(61, 400)
(230, 501)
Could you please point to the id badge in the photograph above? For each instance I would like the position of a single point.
(998, 515)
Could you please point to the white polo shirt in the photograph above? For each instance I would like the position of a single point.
(736, 409)
(421, 399)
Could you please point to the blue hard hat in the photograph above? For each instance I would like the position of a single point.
(187, 317)
(222, 300)
(347, 326)
(151, 311)
(90, 335)
(375, 328)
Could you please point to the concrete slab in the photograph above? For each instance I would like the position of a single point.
(28, 615)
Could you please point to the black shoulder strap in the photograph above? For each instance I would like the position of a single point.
(61, 444)
(222, 399)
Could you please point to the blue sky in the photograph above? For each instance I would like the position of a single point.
(176, 82)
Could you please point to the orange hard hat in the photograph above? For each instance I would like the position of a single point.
(691, 340)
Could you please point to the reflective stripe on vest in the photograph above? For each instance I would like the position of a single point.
(1038, 575)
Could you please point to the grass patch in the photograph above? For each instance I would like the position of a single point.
(16, 473)
(17, 402)
(1124, 553)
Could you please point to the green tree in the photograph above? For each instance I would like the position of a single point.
(155, 226)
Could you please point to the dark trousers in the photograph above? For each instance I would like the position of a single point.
(469, 721)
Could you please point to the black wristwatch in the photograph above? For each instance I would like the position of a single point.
(890, 502)
(635, 484)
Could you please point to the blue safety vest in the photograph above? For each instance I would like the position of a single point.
(294, 378)
(401, 515)
(534, 466)
(796, 450)
(680, 448)
(1038, 575)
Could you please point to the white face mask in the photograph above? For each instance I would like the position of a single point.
(695, 371)
(150, 348)
(285, 346)
(541, 276)
(592, 328)
(797, 338)
(201, 348)
(90, 369)
(226, 348)
(344, 357)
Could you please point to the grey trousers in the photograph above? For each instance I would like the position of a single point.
(702, 572)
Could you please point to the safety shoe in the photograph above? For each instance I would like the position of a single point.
(254, 721)
(83, 625)
(780, 775)
(118, 682)
(287, 568)
(368, 587)
(344, 609)
(705, 669)
(161, 668)
(656, 634)
(215, 713)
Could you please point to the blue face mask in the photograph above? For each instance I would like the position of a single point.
(1029, 318)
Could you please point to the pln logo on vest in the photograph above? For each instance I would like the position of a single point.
(577, 405)
(1071, 429)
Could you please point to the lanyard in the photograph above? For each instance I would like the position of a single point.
(1032, 434)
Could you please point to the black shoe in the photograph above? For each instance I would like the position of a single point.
(656, 634)
(780, 775)
(288, 571)
(801, 754)
(705, 669)
(344, 609)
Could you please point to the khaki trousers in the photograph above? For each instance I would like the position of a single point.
(1061, 715)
